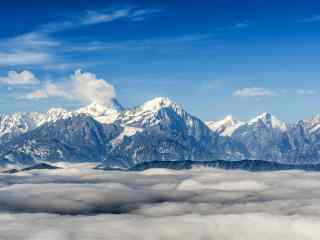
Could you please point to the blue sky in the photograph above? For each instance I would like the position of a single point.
(212, 57)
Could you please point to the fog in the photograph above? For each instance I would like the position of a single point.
(80, 203)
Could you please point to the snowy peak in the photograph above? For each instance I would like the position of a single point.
(313, 125)
(269, 120)
(224, 127)
(157, 104)
(98, 110)
(165, 114)
(148, 114)
(18, 123)
(54, 114)
(106, 113)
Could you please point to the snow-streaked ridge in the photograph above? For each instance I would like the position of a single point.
(102, 113)
(157, 103)
(224, 127)
(313, 125)
(270, 121)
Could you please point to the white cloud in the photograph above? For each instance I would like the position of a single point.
(95, 17)
(24, 58)
(132, 14)
(164, 44)
(159, 204)
(87, 87)
(253, 92)
(39, 47)
(19, 78)
(47, 91)
(100, 16)
(30, 41)
(82, 86)
(303, 92)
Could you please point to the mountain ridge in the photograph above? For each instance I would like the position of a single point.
(159, 129)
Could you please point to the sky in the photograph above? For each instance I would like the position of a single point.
(214, 58)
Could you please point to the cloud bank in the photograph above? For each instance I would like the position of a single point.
(160, 204)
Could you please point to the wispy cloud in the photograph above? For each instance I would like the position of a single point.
(24, 57)
(30, 41)
(235, 26)
(254, 92)
(306, 92)
(312, 19)
(92, 17)
(131, 14)
(39, 47)
(143, 44)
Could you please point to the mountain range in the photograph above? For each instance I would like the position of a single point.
(158, 130)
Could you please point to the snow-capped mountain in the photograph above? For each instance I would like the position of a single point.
(106, 113)
(162, 130)
(163, 113)
(224, 127)
(12, 125)
(269, 121)
(78, 138)
(158, 130)
(265, 137)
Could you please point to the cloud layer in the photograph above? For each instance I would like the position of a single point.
(160, 204)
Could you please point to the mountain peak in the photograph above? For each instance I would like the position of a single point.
(269, 120)
(158, 103)
(229, 118)
(226, 126)
(96, 109)
(56, 111)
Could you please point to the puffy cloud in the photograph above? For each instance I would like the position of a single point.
(86, 86)
(47, 91)
(253, 92)
(19, 78)
(159, 204)
(82, 86)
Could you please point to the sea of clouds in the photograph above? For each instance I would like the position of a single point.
(81, 204)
